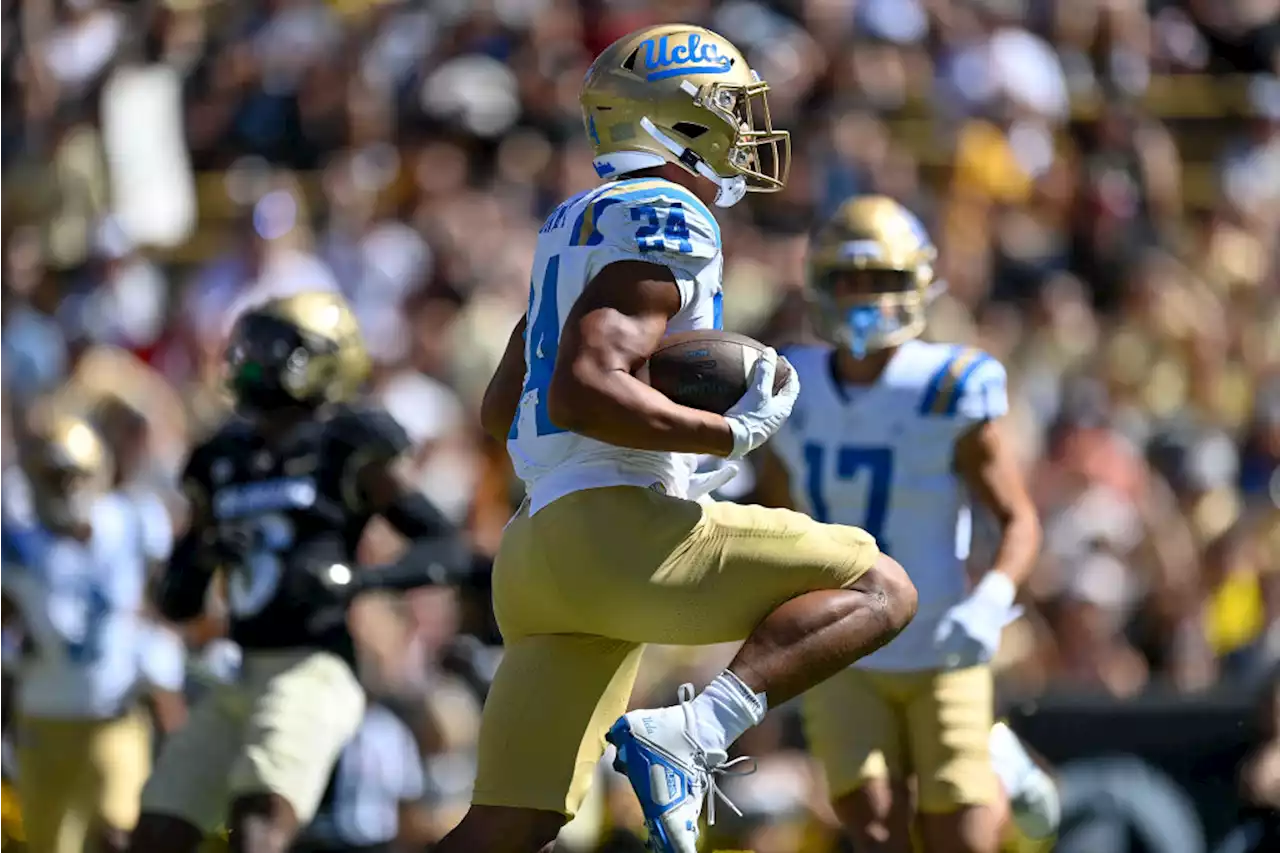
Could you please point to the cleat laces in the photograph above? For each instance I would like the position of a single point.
(712, 765)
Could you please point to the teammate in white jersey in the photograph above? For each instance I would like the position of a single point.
(896, 435)
(75, 569)
(608, 552)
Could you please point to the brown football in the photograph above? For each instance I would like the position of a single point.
(706, 369)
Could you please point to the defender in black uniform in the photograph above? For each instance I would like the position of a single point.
(280, 498)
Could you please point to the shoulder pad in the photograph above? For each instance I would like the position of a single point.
(371, 430)
(968, 384)
(651, 218)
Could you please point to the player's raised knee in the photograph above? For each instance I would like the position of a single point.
(890, 584)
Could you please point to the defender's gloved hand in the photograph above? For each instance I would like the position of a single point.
(761, 413)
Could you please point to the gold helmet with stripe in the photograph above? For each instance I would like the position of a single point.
(682, 94)
(871, 275)
(303, 350)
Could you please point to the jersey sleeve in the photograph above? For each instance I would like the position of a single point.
(366, 437)
(372, 433)
(967, 386)
(983, 393)
(669, 227)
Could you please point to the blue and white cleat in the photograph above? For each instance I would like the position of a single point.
(670, 772)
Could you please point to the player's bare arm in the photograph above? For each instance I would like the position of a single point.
(502, 396)
(609, 334)
(985, 460)
(773, 484)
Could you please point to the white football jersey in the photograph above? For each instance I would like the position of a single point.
(81, 603)
(880, 457)
(642, 219)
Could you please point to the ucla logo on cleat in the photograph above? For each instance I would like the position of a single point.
(668, 57)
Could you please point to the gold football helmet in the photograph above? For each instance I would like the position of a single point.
(67, 465)
(682, 94)
(301, 350)
(871, 275)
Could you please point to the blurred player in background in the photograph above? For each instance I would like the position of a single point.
(609, 552)
(896, 435)
(280, 497)
(75, 574)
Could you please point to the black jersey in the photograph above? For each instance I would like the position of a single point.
(278, 514)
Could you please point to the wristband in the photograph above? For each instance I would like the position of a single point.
(741, 438)
(996, 589)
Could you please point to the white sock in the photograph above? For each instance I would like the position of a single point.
(1012, 763)
(725, 710)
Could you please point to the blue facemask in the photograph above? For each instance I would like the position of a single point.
(863, 322)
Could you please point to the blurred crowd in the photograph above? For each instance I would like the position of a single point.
(1102, 178)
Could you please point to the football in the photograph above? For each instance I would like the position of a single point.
(706, 369)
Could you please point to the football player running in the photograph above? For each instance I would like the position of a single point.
(896, 434)
(279, 498)
(610, 551)
(75, 572)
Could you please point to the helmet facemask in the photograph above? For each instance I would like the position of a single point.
(886, 309)
(760, 154)
(757, 158)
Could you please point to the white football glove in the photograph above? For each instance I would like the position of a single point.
(760, 413)
(702, 484)
(969, 633)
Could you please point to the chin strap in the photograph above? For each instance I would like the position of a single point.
(731, 190)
